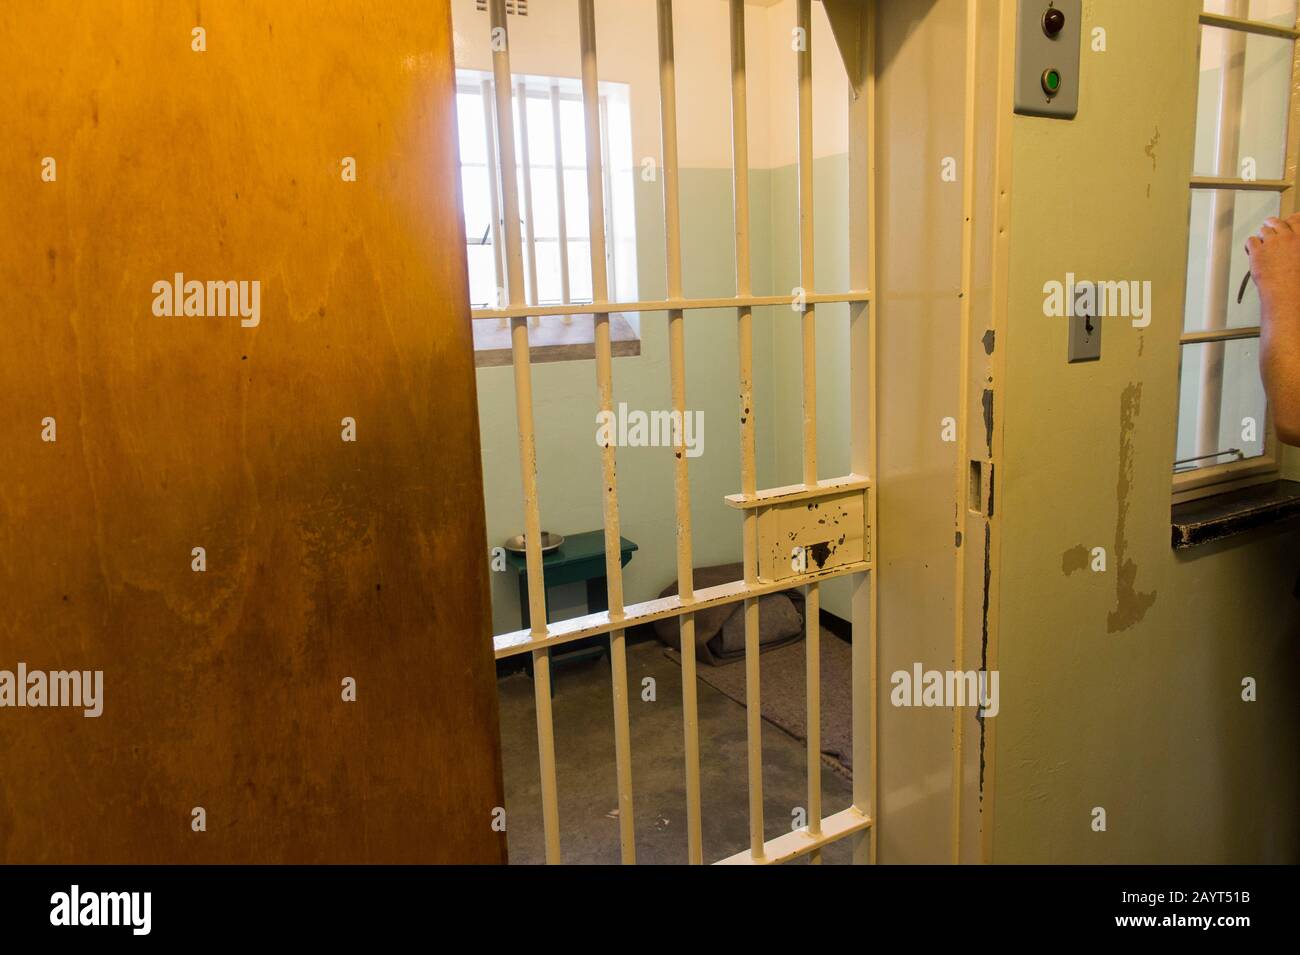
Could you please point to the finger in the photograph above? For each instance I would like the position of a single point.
(1265, 231)
(1253, 243)
(1277, 224)
(1293, 220)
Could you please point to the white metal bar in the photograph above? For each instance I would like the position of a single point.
(812, 599)
(798, 492)
(962, 467)
(748, 471)
(681, 478)
(530, 237)
(865, 677)
(561, 210)
(808, 320)
(801, 842)
(593, 624)
(527, 439)
(605, 393)
(671, 304)
(498, 249)
(864, 392)
(1242, 25)
(1223, 206)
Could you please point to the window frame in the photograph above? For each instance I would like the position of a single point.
(1217, 478)
(483, 90)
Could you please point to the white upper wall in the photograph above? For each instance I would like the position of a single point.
(830, 88)
(545, 43)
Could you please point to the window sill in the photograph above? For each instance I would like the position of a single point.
(551, 339)
(1234, 512)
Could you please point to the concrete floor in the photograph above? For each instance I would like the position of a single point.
(584, 745)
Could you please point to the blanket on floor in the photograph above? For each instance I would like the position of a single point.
(720, 631)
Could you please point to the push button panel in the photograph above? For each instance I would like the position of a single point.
(1048, 37)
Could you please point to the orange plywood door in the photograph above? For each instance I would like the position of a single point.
(254, 507)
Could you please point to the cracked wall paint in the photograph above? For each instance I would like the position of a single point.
(1131, 604)
(1076, 558)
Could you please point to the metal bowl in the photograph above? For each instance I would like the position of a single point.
(550, 542)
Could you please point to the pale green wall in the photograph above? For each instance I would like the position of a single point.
(1122, 689)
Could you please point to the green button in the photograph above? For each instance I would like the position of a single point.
(1051, 82)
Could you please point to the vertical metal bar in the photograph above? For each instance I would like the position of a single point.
(561, 211)
(530, 244)
(605, 390)
(748, 476)
(864, 401)
(498, 250)
(681, 478)
(527, 439)
(961, 469)
(1223, 207)
(812, 606)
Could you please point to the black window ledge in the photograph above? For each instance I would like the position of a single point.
(1234, 512)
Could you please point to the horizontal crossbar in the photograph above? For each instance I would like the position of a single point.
(798, 492)
(792, 845)
(594, 624)
(665, 305)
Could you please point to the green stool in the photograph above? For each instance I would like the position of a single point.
(581, 558)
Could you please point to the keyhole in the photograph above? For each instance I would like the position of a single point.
(1087, 324)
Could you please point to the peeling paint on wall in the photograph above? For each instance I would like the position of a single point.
(984, 644)
(1076, 558)
(1131, 604)
(987, 401)
(1150, 148)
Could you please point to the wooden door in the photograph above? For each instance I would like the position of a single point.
(216, 141)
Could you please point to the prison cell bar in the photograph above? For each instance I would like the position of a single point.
(489, 123)
(677, 373)
(1223, 204)
(864, 327)
(561, 632)
(808, 327)
(961, 469)
(605, 391)
(542, 636)
(561, 213)
(527, 438)
(748, 476)
(678, 304)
